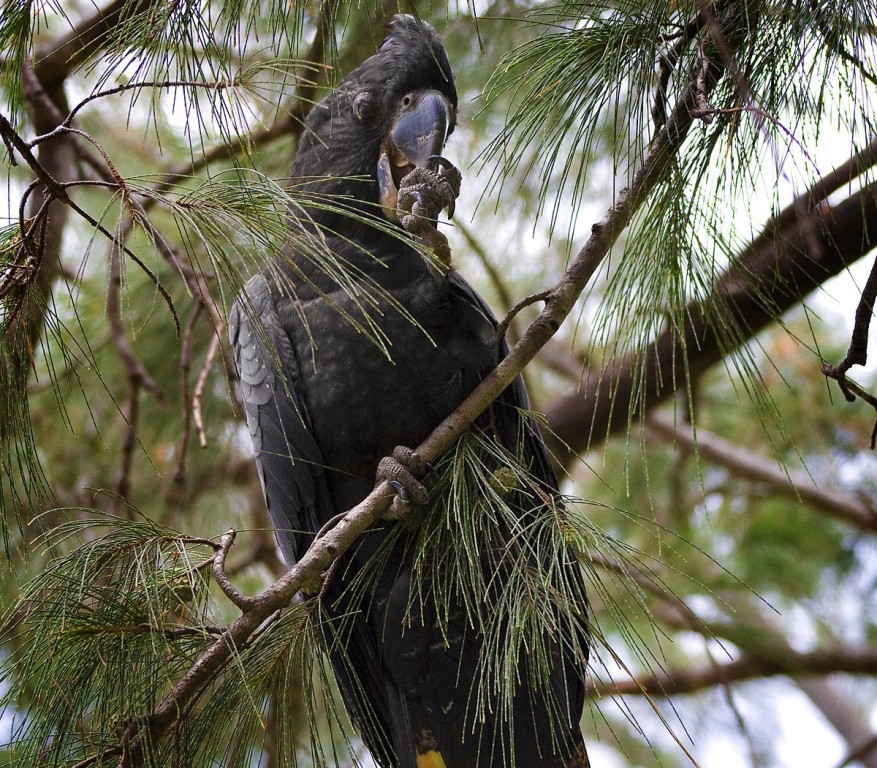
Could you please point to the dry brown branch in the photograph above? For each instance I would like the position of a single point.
(527, 301)
(857, 354)
(231, 592)
(130, 418)
(185, 415)
(201, 383)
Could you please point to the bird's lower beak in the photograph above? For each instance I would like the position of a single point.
(414, 141)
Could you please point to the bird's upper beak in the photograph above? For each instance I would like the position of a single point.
(416, 138)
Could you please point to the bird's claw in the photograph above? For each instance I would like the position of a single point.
(426, 191)
(401, 471)
(450, 174)
(423, 194)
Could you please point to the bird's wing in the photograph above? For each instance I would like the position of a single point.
(511, 409)
(534, 727)
(293, 479)
(288, 458)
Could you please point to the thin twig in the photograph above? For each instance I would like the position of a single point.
(129, 442)
(11, 138)
(701, 105)
(201, 384)
(154, 84)
(89, 761)
(171, 632)
(237, 597)
(185, 368)
(667, 63)
(857, 354)
(58, 191)
(503, 325)
(39, 98)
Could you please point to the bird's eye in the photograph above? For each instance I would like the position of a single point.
(406, 100)
(364, 106)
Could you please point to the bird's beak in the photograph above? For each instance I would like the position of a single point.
(414, 141)
(421, 130)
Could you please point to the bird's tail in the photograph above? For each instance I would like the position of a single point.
(413, 742)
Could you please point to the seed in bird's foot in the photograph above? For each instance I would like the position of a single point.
(448, 172)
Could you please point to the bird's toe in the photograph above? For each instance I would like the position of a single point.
(401, 470)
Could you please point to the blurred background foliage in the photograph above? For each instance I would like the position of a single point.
(750, 601)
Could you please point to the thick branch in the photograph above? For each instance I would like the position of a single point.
(808, 243)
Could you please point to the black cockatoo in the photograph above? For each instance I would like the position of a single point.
(329, 407)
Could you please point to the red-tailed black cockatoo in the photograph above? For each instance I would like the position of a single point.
(329, 406)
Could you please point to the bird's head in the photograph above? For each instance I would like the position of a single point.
(391, 114)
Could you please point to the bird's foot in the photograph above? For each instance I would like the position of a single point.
(426, 192)
(401, 471)
(423, 194)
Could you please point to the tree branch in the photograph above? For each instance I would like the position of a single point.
(801, 248)
(786, 661)
(744, 463)
(54, 161)
(857, 354)
(275, 598)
